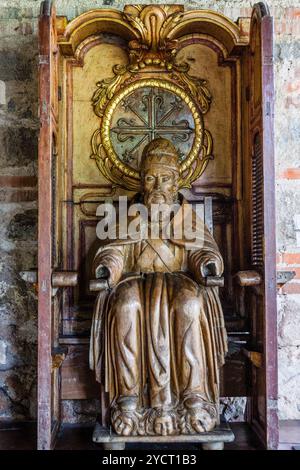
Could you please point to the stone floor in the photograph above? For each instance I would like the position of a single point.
(290, 435)
(22, 436)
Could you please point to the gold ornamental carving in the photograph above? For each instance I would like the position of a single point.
(154, 52)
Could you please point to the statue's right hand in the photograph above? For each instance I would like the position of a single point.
(102, 272)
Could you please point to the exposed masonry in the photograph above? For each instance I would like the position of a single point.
(18, 195)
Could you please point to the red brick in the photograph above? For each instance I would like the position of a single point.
(287, 22)
(291, 288)
(17, 181)
(290, 258)
(18, 195)
(290, 174)
(293, 86)
(295, 12)
(293, 101)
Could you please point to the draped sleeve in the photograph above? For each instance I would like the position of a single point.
(112, 257)
(208, 253)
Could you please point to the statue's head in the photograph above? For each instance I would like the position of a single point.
(160, 172)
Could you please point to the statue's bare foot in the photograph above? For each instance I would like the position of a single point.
(201, 421)
(124, 425)
(164, 423)
(125, 417)
(199, 417)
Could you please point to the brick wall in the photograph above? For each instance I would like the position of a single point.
(287, 139)
(18, 193)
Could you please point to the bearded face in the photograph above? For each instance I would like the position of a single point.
(160, 185)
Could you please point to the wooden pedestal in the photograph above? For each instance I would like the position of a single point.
(213, 440)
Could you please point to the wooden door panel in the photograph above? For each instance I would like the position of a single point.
(48, 380)
(262, 216)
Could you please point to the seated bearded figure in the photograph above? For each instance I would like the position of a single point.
(158, 337)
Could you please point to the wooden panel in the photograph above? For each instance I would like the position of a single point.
(234, 377)
(78, 380)
(48, 128)
(206, 61)
(97, 64)
(262, 215)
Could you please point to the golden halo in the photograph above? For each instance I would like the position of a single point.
(157, 83)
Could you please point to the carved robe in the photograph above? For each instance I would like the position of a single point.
(159, 334)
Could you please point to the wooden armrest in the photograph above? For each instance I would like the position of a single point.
(248, 278)
(101, 284)
(211, 281)
(64, 279)
(58, 279)
(98, 284)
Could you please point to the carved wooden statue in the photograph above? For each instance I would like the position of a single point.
(158, 337)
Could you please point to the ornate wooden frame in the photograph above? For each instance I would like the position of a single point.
(245, 47)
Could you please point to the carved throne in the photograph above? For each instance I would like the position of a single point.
(110, 81)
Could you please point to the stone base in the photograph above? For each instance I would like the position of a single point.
(212, 440)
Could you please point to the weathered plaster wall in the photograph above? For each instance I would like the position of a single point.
(18, 195)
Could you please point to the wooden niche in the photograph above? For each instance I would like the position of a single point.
(227, 68)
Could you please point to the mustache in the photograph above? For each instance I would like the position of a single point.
(156, 193)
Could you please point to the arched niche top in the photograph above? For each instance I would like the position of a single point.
(214, 24)
(72, 34)
(93, 22)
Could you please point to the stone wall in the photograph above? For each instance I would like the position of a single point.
(18, 211)
(18, 193)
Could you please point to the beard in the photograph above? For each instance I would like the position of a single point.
(156, 203)
(158, 197)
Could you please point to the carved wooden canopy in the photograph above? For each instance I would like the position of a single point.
(153, 94)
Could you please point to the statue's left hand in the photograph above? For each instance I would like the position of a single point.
(209, 268)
